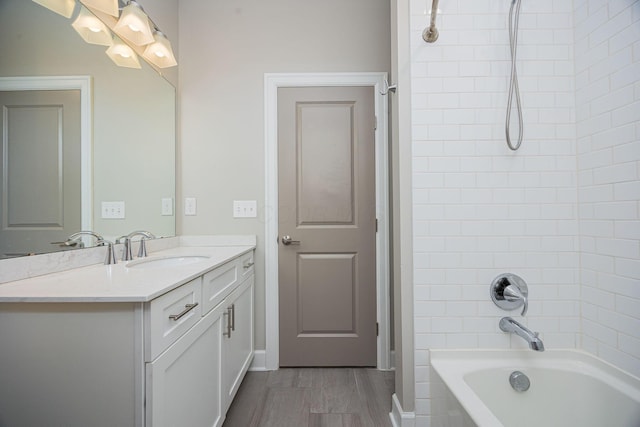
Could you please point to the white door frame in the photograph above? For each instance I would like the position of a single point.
(82, 83)
(271, 84)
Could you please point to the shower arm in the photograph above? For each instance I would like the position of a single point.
(430, 34)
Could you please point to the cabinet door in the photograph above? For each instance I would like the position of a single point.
(238, 348)
(183, 384)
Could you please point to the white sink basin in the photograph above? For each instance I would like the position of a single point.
(168, 261)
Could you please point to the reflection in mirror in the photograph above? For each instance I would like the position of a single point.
(133, 138)
(46, 167)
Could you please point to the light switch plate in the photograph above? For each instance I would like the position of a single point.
(167, 206)
(190, 207)
(245, 209)
(112, 210)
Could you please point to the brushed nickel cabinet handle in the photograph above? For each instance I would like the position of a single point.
(248, 265)
(228, 314)
(233, 317)
(187, 308)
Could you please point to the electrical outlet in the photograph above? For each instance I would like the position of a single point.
(190, 206)
(167, 206)
(112, 210)
(245, 209)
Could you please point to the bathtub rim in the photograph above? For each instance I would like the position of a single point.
(451, 366)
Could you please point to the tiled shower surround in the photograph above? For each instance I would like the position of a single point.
(607, 52)
(562, 212)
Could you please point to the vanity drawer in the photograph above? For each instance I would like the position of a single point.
(171, 315)
(216, 282)
(246, 264)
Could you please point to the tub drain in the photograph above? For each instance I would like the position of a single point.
(519, 381)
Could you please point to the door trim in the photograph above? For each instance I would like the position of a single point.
(82, 83)
(273, 81)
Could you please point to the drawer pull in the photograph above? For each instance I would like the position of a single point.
(187, 308)
(248, 265)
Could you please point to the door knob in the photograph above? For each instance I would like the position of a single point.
(286, 240)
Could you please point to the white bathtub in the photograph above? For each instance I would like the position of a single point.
(568, 388)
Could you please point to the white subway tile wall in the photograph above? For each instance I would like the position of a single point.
(607, 66)
(562, 212)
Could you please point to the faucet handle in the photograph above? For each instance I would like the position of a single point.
(126, 250)
(509, 291)
(512, 293)
(142, 250)
(111, 255)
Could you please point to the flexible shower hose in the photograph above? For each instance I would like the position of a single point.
(513, 83)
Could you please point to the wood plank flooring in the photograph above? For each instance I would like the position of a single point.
(313, 397)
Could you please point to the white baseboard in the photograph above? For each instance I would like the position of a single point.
(400, 418)
(259, 361)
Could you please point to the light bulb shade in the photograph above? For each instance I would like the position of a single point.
(109, 7)
(61, 7)
(91, 29)
(134, 26)
(159, 52)
(122, 54)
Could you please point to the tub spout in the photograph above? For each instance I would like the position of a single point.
(507, 324)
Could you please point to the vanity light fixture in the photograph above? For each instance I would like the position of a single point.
(134, 25)
(159, 52)
(139, 34)
(61, 7)
(109, 7)
(122, 54)
(91, 29)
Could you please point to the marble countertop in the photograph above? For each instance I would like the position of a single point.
(120, 282)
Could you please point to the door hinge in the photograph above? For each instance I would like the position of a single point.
(376, 225)
(375, 122)
(377, 328)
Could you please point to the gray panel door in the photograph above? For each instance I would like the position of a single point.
(39, 169)
(326, 191)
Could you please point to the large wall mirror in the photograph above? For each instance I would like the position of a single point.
(132, 140)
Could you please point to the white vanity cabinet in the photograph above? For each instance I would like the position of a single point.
(176, 360)
(193, 382)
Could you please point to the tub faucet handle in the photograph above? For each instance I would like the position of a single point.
(512, 293)
(509, 292)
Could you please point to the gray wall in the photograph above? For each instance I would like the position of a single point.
(225, 50)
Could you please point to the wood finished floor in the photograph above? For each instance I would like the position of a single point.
(313, 397)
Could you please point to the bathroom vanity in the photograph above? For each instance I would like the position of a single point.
(160, 341)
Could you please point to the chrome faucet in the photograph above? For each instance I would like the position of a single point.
(507, 324)
(142, 251)
(109, 259)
